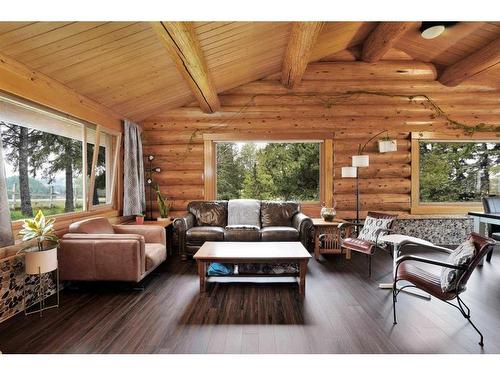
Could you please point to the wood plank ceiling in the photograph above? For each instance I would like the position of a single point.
(124, 66)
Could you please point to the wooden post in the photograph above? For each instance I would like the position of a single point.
(94, 165)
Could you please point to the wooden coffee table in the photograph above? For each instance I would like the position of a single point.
(252, 252)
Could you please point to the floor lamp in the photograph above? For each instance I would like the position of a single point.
(362, 161)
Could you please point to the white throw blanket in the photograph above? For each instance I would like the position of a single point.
(243, 212)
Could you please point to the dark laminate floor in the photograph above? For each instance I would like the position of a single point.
(343, 312)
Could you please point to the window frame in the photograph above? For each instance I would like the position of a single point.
(88, 209)
(418, 208)
(325, 160)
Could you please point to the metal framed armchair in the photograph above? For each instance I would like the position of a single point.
(430, 282)
(364, 246)
(492, 205)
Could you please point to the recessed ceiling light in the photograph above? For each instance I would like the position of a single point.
(431, 30)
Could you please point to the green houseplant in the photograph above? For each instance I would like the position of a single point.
(163, 204)
(41, 230)
(42, 257)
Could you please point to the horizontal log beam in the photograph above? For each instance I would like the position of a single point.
(476, 63)
(181, 42)
(382, 38)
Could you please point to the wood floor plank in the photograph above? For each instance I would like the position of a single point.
(343, 312)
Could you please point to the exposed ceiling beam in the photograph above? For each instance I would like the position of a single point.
(302, 39)
(475, 63)
(181, 42)
(382, 38)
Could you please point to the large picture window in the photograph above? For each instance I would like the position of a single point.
(453, 175)
(49, 165)
(294, 166)
(268, 170)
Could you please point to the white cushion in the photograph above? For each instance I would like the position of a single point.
(462, 255)
(371, 226)
(243, 212)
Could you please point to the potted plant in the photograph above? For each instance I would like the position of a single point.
(139, 219)
(387, 144)
(42, 256)
(163, 205)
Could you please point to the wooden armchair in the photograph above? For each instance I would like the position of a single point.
(430, 282)
(368, 247)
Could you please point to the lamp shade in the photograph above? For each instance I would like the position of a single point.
(349, 172)
(360, 161)
(40, 261)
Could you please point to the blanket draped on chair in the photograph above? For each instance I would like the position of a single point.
(134, 197)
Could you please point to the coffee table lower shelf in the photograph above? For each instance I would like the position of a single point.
(252, 252)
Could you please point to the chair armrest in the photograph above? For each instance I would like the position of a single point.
(434, 262)
(304, 225)
(151, 233)
(181, 226)
(407, 244)
(93, 257)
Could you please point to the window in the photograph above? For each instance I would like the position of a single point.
(268, 170)
(452, 176)
(256, 165)
(45, 161)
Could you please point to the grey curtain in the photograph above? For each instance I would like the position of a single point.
(6, 237)
(134, 197)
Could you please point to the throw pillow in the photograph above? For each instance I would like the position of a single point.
(278, 214)
(371, 226)
(462, 255)
(243, 212)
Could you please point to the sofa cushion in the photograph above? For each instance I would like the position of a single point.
(277, 213)
(155, 254)
(198, 235)
(209, 213)
(242, 233)
(279, 234)
(243, 212)
(98, 225)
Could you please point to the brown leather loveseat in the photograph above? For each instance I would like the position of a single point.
(95, 250)
(273, 221)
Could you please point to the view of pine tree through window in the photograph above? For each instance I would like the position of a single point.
(274, 171)
(458, 172)
(44, 169)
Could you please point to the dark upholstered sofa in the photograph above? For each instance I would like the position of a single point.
(255, 221)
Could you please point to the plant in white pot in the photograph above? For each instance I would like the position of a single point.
(163, 205)
(387, 144)
(41, 255)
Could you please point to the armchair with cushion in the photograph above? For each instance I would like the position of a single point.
(491, 205)
(451, 281)
(95, 250)
(376, 224)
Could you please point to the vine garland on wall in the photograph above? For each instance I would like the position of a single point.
(331, 100)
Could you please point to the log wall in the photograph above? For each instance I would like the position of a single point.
(353, 100)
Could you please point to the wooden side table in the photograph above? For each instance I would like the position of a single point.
(334, 241)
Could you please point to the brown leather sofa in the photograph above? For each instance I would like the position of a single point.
(207, 221)
(95, 250)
